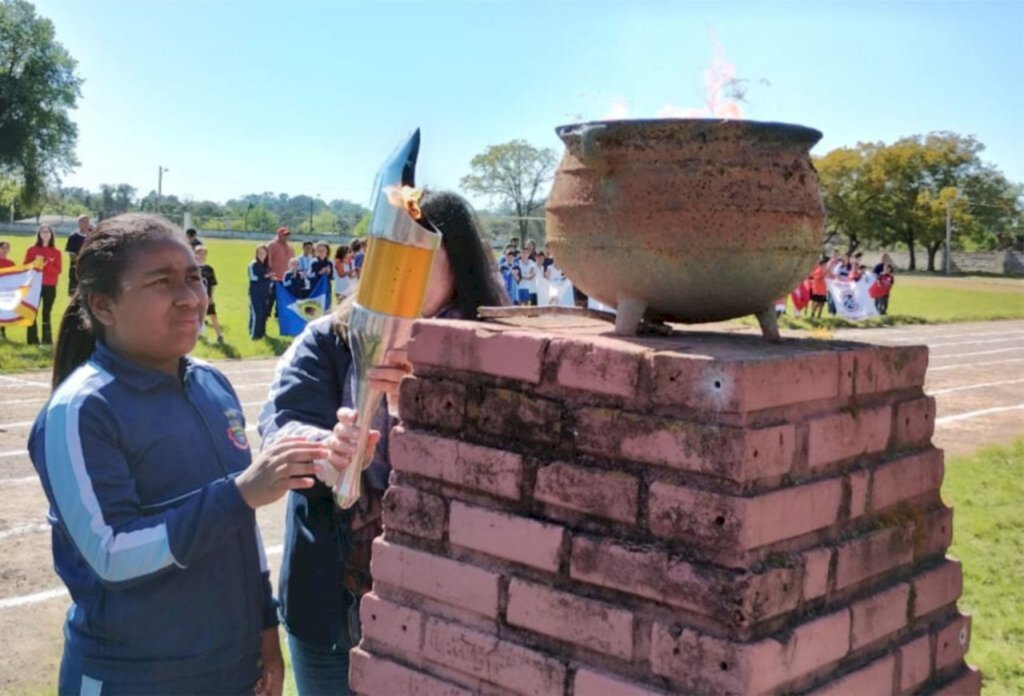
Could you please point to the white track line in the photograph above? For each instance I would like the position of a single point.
(37, 597)
(13, 453)
(918, 337)
(1018, 338)
(974, 386)
(18, 481)
(980, 352)
(25, 382)
(945, 420)
(22, 529)
(986, 364)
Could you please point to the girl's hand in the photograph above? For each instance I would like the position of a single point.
(341, 443)
(285, 465)
(386, 377)
(271, 682)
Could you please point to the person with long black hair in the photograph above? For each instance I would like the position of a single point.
(46, 249)
(325, 568)
(152, 489)
(261, 284)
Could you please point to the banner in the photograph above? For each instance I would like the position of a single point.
(294, 313)
(19, 293)
(852, 299)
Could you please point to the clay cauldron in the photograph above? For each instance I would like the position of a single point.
(686, 220)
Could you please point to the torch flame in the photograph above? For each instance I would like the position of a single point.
(406, 197)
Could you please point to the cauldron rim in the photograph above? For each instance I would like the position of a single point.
(773, 131)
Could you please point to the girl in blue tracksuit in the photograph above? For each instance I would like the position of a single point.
(325, 567)
(143, 456)
(260, 287)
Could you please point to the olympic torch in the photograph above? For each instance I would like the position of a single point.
(392, 288)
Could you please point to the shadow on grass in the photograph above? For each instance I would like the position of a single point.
(225, 349)
(830, 323)
(278, 344)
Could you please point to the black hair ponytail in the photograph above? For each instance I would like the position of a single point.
(75, 341)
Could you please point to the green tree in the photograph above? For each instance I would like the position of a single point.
(515, 174)
(905, 193)
(362, 227)
(10, 192)
(38, 87)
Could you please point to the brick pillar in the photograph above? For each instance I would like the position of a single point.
(572, 513)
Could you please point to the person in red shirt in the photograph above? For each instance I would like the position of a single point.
(819, 290)
(279, 253)
(45, 249)
(5, 249)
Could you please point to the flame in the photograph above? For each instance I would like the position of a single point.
(619, 111)
(720, 86)
(406, 197)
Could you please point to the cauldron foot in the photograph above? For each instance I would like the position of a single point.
(629, 311)
(769, 324)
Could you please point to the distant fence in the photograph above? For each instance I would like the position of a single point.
(1009, 262)
(21, 229)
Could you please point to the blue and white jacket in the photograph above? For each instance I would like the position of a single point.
(314, 379)
(159, 551)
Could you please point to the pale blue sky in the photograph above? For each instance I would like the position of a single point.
(309, 97)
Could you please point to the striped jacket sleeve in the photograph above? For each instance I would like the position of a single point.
(94, 496)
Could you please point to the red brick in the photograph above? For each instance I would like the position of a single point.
(859, 481)
(816, 569)
(876, 678)
(711, 519)
(485, 469)
(418, 453)
(414, 512)
(729, 381)
(371, 675)
(873, 554)
(385, 623)
(519, 416)
(609, 494)
(952, 642)
(878, 616)
(489, 658)
(967, 683)
(935, 532)
(731, 598)
(915, 422)
(906, 478)
(938, 587)
(488, 470)
(638, 571)
(840, 436)
(597, 365)
(585, 622)
(438, 403)
(451, 582)
(475, 347)
(705, 664)
(736, 454)
(915, 663)
(876, 369)
(587, 683)
(513, 538)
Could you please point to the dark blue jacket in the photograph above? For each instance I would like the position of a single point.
(161, 555)
(313, 381)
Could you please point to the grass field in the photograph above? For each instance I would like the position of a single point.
(229, 258)
(986, 490)
(916, 299)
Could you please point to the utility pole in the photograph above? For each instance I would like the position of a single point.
(160, 184)
(949, 233)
